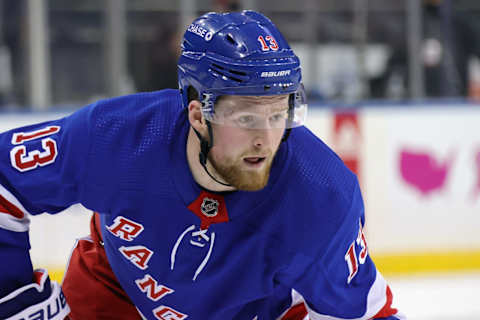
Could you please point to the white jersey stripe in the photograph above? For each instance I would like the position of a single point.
(10, 222)
(376, 300)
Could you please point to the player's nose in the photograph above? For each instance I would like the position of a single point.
(263, 138)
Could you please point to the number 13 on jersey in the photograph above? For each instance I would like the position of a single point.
(25, 161)
(351, 255)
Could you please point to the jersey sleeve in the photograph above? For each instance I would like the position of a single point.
(42, 166)
(93, 157)
(342, 282)
(42, 169)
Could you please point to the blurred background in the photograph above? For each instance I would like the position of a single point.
(393, 86)
(56, 53)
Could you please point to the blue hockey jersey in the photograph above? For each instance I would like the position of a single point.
(180, 251)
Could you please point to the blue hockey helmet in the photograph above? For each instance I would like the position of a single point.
(240, 54)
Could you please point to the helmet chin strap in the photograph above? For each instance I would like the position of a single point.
(204, 150)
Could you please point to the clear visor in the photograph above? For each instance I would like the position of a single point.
(259, 112)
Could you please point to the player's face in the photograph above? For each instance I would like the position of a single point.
(246, 140)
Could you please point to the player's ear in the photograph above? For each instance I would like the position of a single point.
(195, 116)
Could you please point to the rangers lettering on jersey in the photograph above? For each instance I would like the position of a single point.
(128, 230)
(138, 255)
(125, 228)
(150, 286)
(167, 313)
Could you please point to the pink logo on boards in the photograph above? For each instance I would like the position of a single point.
(476, 189)
(423, 172)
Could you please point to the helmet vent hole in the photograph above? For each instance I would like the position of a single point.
(238, 73)
(230, 74)
(230, 39)
(217, 66)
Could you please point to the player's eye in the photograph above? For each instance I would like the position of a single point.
(277, 117)
(246, 120)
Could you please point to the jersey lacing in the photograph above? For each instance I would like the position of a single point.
(199, 233)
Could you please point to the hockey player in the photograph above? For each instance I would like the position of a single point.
(212, 202)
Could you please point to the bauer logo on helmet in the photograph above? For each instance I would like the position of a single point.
(270, 74)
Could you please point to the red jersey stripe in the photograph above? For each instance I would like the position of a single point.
(9, 208)
(387, 309)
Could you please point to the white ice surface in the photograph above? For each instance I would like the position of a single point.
(438, 297)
